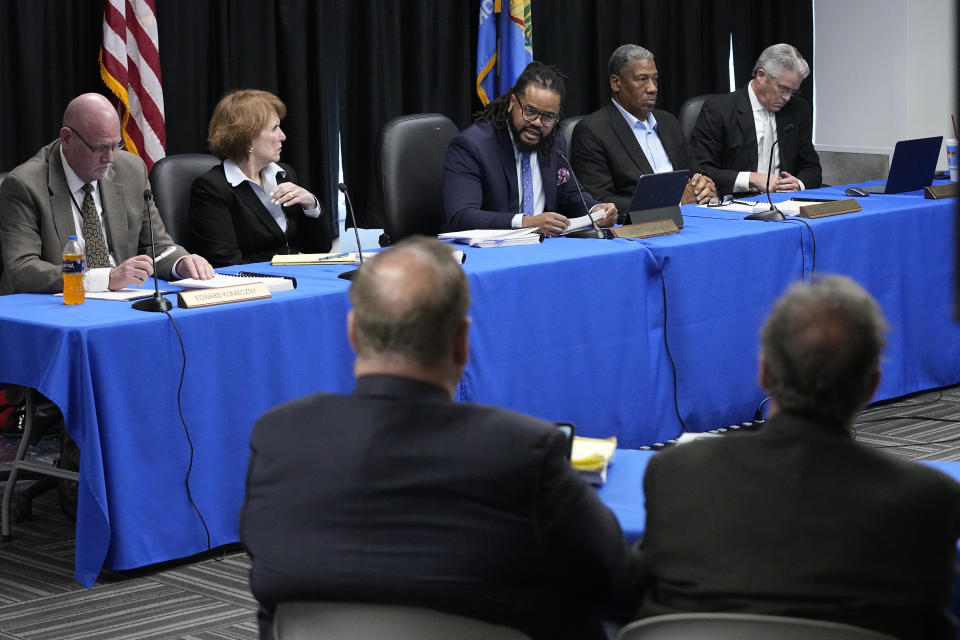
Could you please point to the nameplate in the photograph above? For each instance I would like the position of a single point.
(936, 192)
(834, 208)
(646, 229)
(222, 295)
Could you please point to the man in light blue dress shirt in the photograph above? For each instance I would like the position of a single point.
(628, 138)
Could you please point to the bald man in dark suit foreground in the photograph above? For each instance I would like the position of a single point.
(396, 494)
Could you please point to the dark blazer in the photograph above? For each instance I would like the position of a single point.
(724, 140)
(396, 494)
(231, 226)
(799, 519)
(36, 216)
(608, 159)
(480, 186)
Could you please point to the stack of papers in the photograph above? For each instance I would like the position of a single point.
(315, 258)
(494, 237)
(583, 222)
(592, 456)
(227, 280)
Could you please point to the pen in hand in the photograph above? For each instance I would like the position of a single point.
(167, 252)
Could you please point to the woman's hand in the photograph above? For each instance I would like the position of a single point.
(287, 193)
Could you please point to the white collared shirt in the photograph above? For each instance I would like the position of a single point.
(235, 176)
(649, 139)
(538, 197)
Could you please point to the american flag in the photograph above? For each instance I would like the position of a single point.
(130, 67)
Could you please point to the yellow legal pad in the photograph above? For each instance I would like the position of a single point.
(592, 456)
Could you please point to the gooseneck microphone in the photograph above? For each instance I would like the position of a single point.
(157, 302)
(772, 214)
(348, 275)
(595, 231)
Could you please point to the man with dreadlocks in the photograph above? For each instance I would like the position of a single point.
(509, 169)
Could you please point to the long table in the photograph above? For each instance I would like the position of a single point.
(570, 329)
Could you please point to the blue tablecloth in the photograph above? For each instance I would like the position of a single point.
(570, 329)
(723, 274)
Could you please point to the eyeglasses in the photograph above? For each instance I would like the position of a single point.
(783, 90)
(100, 148)
(787, 91)
(530, 114)
(717, 202)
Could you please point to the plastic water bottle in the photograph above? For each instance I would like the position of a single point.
(73, 268)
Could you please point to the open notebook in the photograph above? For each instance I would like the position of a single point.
(273, 283)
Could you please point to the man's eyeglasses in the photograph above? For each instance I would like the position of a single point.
(100, 148)
(783, 90)
(718, 202)
(787, 91)
(530, 114)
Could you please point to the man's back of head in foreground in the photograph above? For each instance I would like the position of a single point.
(397, 494)
(797, 518)
(409, 314)
(821, 350)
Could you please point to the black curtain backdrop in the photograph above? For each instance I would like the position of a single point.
(398, 58)
(756, 24)
(349, 66)
(48, 55)
(690, 40)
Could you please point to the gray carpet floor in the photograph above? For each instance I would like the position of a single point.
(207, 598)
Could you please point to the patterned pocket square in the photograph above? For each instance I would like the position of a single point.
(562, 175)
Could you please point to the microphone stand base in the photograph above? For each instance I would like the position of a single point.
(156, 303)
(348, 275)
(770, 215)
(588, 232)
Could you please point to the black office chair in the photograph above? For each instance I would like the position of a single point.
(569, 124)
(689, 113)
(742, 626)
(170, 180)
(359, 621)
(3, 174)
(39, 413)
(410, 164)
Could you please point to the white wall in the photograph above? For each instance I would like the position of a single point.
(885, 70)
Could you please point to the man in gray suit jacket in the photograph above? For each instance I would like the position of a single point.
(83, 184)
(798, 518)
(628, 138)
(396, 494)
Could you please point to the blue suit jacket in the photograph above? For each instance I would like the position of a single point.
(480, 187)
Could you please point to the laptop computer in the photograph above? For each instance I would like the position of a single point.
(658, 196)
(913, 165)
